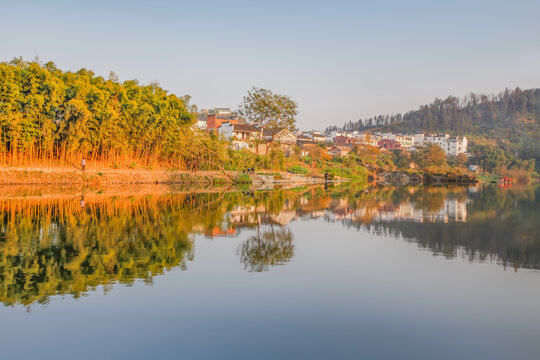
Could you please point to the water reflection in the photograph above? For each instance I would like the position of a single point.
(267, 248)
(53, 245)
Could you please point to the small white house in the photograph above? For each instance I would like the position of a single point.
(242, 135)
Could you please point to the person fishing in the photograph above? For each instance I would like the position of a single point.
(83, 164)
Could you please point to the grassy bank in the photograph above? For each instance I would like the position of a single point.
(106, 176)
(37, 175)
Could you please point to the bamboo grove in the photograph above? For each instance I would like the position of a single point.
(56, 117)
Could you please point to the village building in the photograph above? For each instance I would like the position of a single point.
(338, 151)
(216, 117)
(284, 138)
(418, 140)
(343, 140)
(200, 124)
(241, 135)
(389, 144)
(456, 145)
(437, 139)
(306, 144)
(318, 136)
(334, 134)
(452, 146)
(405, 141)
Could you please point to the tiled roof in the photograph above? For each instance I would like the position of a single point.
(272, 132)
(245, 128)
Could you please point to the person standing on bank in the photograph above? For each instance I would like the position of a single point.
(83, 164)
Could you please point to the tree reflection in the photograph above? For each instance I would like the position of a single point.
(50, 247)
(266, 249)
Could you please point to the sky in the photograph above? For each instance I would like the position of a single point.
(339, 60)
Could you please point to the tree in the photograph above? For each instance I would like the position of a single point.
(269, 111)
(402, 159)
(493, 159)
(430, 156)
(461, 159)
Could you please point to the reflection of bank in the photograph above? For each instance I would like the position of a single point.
(217, 232)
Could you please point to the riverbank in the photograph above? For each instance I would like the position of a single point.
(403, 178)
(68, 176)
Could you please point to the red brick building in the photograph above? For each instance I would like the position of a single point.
(213, 121)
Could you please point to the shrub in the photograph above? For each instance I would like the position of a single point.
(277, 158)
(243, 179)
(297, 169)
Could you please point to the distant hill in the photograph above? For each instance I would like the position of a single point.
(511, 119)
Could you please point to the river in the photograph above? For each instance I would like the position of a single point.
(338, 272)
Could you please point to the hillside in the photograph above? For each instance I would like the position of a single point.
(509, 121)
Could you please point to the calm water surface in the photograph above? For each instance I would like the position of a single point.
(346, 272)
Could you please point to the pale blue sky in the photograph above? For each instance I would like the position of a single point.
(340, 60)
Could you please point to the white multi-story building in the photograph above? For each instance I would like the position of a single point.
(418, 140)
(439, 139)
(456, 145)
(452, 146)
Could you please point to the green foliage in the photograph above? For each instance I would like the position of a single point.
(492, 158)
(243, 179)
(401, 159)
(297, 169)
(220, 181)
(277, 159)
(431, 156)
(268, 110)
(355, 172)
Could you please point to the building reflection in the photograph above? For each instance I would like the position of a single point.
(336, 208)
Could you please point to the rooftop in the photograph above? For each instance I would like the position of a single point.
(245, 128)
